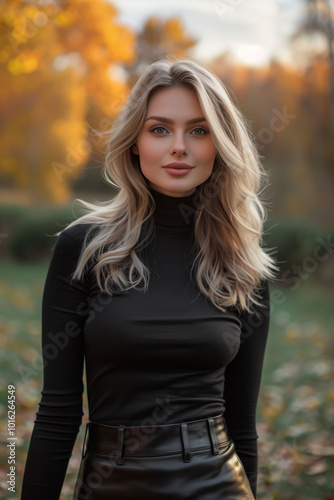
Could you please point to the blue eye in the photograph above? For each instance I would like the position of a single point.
(157, 130)
(202, 131)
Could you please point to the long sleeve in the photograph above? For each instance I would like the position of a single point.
(59, 416)
(242, 385)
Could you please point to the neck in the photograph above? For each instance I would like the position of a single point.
(174, 211)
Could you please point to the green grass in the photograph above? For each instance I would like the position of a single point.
(308, 307)
(18, 273)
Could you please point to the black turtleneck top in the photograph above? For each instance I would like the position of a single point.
(167, 353)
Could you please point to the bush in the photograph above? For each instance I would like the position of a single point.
(30, 233)
(32, 237)
(293, 240)
(11, 211)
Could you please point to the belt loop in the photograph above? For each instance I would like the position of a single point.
(84, 451)
(185, 443)
(213, 437)
(119, 450)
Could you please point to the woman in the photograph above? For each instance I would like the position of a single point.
(164, 293)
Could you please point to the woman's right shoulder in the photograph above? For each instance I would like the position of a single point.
(75, 232)
(73, 237)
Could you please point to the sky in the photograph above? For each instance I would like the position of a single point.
(253, 31)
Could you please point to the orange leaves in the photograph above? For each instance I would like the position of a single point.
(55, 63)
(296, 443)
(23, 63)
(90, 29)
(58, 66)
(167, 37)
(174, 35)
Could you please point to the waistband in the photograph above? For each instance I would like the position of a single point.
(184, 437)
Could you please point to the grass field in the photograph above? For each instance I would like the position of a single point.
(295, 412)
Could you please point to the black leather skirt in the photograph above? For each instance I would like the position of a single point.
(193, 460)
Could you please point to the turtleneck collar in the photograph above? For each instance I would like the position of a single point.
(174, 212)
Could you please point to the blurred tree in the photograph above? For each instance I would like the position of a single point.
(58, 60)
(318, 20)
(288, 112)
(159, 38)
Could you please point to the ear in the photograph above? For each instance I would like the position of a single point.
(134, 149)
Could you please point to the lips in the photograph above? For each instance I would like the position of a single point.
(178, 169)
(178, 165)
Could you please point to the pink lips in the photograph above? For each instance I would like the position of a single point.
(178, 168)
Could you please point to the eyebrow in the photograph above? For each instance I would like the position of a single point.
(168, 120)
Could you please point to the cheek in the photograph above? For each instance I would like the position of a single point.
(148, 151)
(207, 153)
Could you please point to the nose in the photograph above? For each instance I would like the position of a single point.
(179, 147)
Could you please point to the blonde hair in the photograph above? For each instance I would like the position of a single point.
(228, 225)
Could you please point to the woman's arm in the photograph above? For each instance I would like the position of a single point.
(242, 385)
(60, 409)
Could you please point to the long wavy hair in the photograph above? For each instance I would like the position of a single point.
(229, 261)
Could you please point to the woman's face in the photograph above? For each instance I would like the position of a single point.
(175, 132)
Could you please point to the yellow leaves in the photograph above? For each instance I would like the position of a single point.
(8, 165)
(63, 19)
(57, 128)
(4, 56)
(23, 63)
(175, 33)
(167, 36)
(174, 28)
(68, 131)
(319, 340)
(108, 93)
(14, 67)
(55, 63)
(8, 18)
(330, 396)
(29, 64)
(292, 333)
(5, 331)
(89, 28)
(273, 402)
(296, 438)
(18, 297)
(306, 399)
(120, 44)
(315, 336)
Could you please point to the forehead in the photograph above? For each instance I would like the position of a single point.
(176, 100)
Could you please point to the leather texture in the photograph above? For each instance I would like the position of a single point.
(193, 460)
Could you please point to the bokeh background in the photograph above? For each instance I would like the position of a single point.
(66, 68)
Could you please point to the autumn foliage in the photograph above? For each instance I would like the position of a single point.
(289, 113)
(56, 62)
(66, 66)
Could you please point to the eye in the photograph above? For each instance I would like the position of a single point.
(199, 131)
(159, 130)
